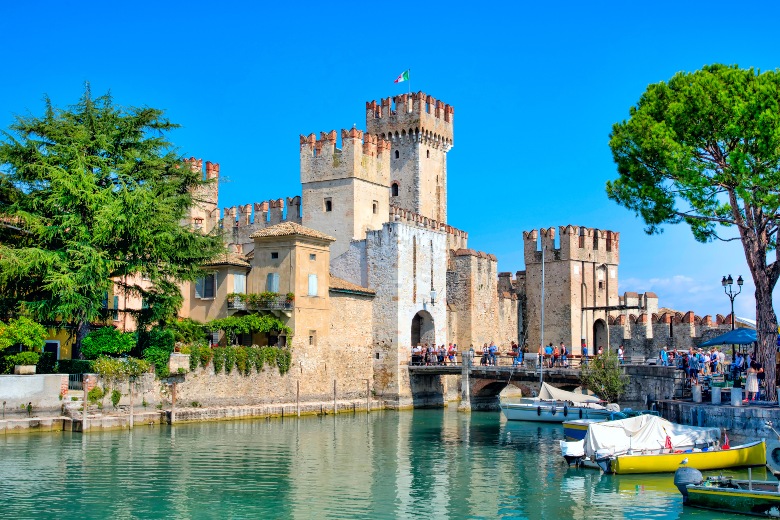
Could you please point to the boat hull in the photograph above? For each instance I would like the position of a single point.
(577, 429)
(758, 503)
(753, 454)
(551, 413)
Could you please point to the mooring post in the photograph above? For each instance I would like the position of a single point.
(298, 398)
(334, 397)
(368, 396)
(173, 401)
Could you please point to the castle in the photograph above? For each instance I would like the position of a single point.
(371, 267)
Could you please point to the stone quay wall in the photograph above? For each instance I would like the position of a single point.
(743, 421)
(42, 391)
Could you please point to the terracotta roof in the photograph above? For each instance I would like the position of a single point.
(339, 284)
(230, 258)
(284, 229)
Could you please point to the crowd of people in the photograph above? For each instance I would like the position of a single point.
(429, 355)
(700, 363)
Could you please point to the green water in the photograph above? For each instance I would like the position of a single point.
(421, 464)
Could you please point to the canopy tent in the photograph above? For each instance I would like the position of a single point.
(739, 336)
(556, 394)
(644, 432)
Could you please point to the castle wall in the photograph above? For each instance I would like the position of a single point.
(240, 222)
(474, 285)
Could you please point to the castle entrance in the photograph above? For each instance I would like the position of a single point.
(422, 329)
(600, 337)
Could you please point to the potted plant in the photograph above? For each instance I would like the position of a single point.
(29, 336)
(24, 362)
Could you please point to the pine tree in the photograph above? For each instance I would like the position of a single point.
(91, 196)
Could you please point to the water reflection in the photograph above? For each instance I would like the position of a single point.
(421, 464)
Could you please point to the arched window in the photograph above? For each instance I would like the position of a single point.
(397, 154)
(427, 154)
(394, 189)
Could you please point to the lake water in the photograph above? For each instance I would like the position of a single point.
(415, 464)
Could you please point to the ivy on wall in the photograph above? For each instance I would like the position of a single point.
(241, 359)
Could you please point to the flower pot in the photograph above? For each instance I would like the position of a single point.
(24, 370)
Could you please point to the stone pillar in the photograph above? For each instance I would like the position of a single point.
(736, 397)
(696, 393)
(465, 382)
(716, 395)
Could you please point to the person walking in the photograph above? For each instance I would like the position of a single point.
(584, 354)
(664, 357)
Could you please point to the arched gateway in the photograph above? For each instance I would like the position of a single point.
(422, 329)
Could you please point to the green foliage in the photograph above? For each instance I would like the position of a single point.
(218, 359)
(107, 341)
(284, 360)
(241, 358)
(95, 395)
(187, 331)
(704, 150)
(250, 323)
(290, 297)
(119, 369)
(22, 331)
(158, 357)
(97, 195)
(604, 377)
(116, 396)
(158, 337)
(24, 358)
(47, 364)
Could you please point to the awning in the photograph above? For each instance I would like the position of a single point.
(740, 336)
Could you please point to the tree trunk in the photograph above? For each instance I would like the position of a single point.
(82, 329)
(766, 322)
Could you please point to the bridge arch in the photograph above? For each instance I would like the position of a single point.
(423, 330)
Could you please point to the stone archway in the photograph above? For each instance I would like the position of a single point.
(423, 330)
(600, 336)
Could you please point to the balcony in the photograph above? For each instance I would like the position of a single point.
(279, 304)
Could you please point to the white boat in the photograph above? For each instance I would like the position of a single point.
(556, 405)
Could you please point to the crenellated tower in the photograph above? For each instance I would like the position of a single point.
(204, 213)
(420, 131)
(345, 190)
(581, 284)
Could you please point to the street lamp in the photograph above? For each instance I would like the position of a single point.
(728, 288)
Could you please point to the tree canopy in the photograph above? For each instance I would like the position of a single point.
(704, 149)
(92, 200)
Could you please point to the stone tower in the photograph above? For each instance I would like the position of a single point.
(419, 129)
(204, 213)
(345, 190)
(581, 275)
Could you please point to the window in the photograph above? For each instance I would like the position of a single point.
(105, 300)
(427, 154)
(394, 189)
(375, 205)
(274, 255)
(239, 283)
(272, 282)
(312, 285)
(116, 308)
(397, 154)
(312, 256)
(328, 204)
(145, 277)
(205, 287)
(313, 337)
(198, 222)
(52, 346)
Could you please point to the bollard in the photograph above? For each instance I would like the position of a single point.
(716, 395)
(696, 393)
(736, 397)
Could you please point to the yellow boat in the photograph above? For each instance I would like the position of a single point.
(746, 455)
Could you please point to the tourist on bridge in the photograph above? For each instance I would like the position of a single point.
(451, 352)
(664, 357)
(493, 350)
(584, 354)
(564, 356)
(485, 355)
(518, 359)
(548, 353)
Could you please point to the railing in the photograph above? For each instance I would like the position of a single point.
(278, 303)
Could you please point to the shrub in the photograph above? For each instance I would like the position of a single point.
(158, 357)
(47, 364)
(156, 337)
(24, 358)
(74, 366)
(107, 341)
(22, 331)
(116, 395)
(95, 395)
(188, 331)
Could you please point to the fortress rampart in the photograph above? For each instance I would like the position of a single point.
(456, 239)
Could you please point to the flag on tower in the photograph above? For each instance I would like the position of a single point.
(403, 77)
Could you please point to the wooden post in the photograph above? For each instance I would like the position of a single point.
(334, 397)
(173, 401)
(131, 402)
(85, 403)
(298, 397)
(368, 396)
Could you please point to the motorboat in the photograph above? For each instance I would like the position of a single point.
(651, 444)
(576, 429)
(556, 405)
(719, 493)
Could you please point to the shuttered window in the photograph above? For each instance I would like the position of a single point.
(272, 282)
(312, 285)
(239, 283)
(206, 287)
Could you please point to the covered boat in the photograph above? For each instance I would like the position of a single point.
(749, 497)
(556, 405)
(650, 444)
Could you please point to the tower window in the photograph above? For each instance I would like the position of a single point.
(375, 204)
(274, 255)
(394, 189)
(427, 154)
(397, 154)
(328, 204)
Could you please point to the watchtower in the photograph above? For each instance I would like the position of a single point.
(419, 129)
(581, 283)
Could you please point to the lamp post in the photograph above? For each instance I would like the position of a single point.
(728, 288)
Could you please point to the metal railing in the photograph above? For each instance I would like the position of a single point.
(278, 303)
(75, 381)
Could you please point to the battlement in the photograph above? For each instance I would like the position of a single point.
(361, 155)
(262, 214)
(456, 239)
(196, 165)
(577, 243)
(416, 115)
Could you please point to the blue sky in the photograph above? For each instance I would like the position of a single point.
(535, 88)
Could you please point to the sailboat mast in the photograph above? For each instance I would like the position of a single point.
(541, 331)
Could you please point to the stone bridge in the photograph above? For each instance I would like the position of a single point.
(479, 386)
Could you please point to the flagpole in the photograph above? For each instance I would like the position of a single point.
(410, 80)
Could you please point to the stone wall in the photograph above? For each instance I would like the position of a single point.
(42, 391)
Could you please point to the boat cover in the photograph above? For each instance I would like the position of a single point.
(556, 394)
(572, 449)
(644, 432)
